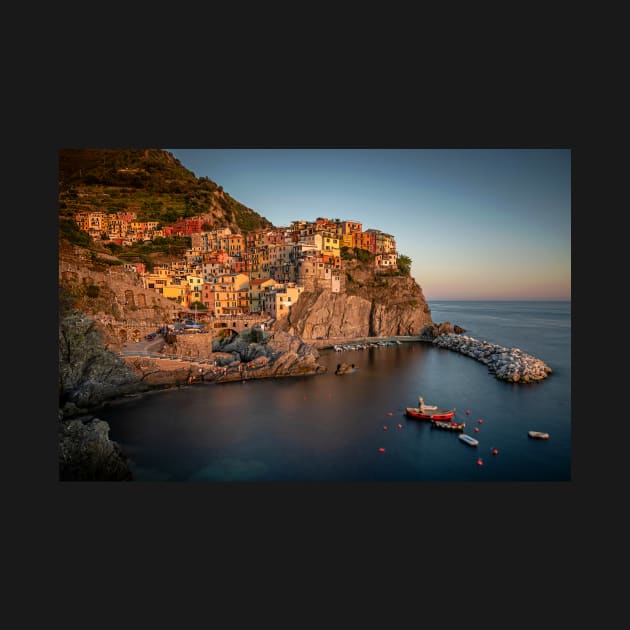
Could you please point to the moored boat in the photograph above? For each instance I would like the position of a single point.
(430, 414)
(448, 425)
(467, 439)
(540, 435)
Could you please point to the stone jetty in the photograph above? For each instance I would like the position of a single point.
(508, 364)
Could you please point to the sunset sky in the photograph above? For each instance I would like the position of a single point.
(478, 224)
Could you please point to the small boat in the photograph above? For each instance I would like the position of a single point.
(433, 414)
(467, 439)
(538, 434)
(448, 425)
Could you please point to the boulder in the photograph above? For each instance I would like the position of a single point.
(87, 454)
(445, 328)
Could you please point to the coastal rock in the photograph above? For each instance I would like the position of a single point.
(291, 356)
(222, 358)
(87, 454)
(345, 368)
(458, 330)
(88, 374)
(508, 364)
(429, 330)
(280, 355)
(159, 373)
(323, 314)
(445, 328)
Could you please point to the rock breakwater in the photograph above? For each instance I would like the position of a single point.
(507, 364)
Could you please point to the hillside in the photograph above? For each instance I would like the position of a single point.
(150, 182)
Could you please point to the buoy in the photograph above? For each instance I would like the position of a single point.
(476, 429)
(381, 450)
(495, 451)
(480, 462)
(384, 427)
(467, 412)
(480, 421)
(399, 425)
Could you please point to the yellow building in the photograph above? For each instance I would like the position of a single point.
(233, 281)
(178, 292)
(221, 300)
(278, 301)
(195, 282)
(94, 223)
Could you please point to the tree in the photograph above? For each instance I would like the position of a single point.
(346, 253)
(363, 255)
(404, 264)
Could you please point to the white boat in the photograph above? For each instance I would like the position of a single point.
(468, 439)
(538, 434)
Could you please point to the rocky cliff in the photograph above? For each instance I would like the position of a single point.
(372, 306)
(88, 373)
(111, 296)
(87, 454)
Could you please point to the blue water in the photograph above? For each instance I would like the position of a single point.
(330, 428)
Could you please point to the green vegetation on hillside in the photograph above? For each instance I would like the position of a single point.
(404, 264)
(150, 182)
(356, 253)
(69, 229)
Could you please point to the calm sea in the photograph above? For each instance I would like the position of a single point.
(330, 428)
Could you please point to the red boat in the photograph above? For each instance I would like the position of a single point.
(430, 414)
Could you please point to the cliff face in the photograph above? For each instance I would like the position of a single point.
(118, 303)
(88, 373)
(372, 306)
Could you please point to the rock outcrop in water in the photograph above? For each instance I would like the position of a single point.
(508, 364)
(431, 330)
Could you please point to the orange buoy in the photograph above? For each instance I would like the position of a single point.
(381, 450)
(384, 427)
(480, 421)
(476, 429)
(495, 451)
(480, 462)
(467, 412)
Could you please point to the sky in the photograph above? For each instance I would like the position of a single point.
(478, 224)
